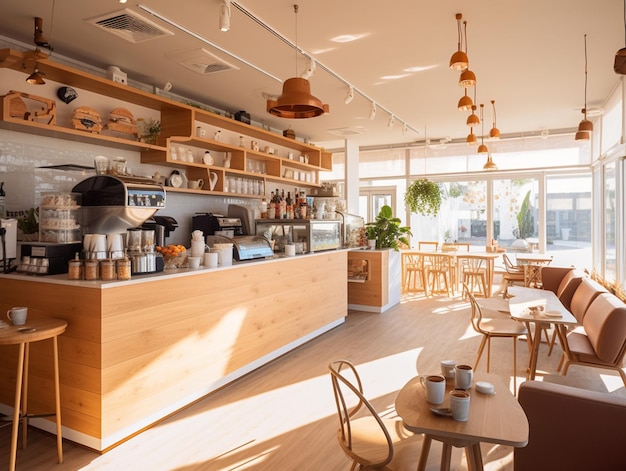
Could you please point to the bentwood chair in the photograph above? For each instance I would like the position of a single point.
(514, 274)
(497, 327)
(474, 275)
(368, 440)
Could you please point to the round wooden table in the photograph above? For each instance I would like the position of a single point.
(24, 335)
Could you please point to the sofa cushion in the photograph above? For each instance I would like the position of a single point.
(571, 429)
(568, 286)
(583, 297)
(552, 276)
(605, 326)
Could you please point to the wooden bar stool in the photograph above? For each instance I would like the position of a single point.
(24, 335)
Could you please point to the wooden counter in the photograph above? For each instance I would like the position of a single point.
(137, 351)
(379, 289)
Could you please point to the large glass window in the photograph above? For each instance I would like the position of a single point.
(610, 259)
(516, 213)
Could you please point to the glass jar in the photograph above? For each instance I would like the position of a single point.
(75, 270)
(92, 271)
(123, 269)
(107, 270)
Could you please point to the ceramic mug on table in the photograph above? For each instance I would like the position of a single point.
(448, 368)
(463, 377)
(435, 386)
(459, 405)
(18, 315)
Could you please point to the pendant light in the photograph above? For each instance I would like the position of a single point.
(494, 133)
(473, 119)
(467, 78)
(490, 165)
(471, 138)
(465, 103)
(459, 60)
(482, 148)
(585, 127)
(36, 77)
(296, 101)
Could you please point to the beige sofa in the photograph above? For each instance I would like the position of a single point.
(571, 429)
(600, 338)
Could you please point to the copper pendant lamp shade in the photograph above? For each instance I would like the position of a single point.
(459, 60)
(490, 165)
(494, 133)
(585, 127)
(471, 138)
(473, 119)
(467, 79)
(36, 77)
(296, 101)
(465, 103)
(482, 148)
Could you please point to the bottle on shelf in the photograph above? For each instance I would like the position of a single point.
(289, 206)
(282, 212)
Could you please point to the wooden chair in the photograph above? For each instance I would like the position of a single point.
(455, 247)
(496, 327)
(427, 245)
(368, 440)
(514, 274)
(474, 275)
(439, 274)
(414, 273)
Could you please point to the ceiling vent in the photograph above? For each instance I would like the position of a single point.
(202, 61)
(130, 26)
(349, 131)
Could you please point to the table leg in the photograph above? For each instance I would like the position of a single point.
(25, 396)
(57, 398)
(16, 411)
(446, 455)
(532, 368)
(474, 457)
(490, 265)
(421, 466)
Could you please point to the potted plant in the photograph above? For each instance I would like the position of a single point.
(423, 196)
(150, 130)
(389, 232)
(371, 232)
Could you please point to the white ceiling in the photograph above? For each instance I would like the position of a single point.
(528, 56)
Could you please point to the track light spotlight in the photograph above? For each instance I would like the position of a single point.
(225, 15)
(373, 111)
(392, 121)
(39, 40)
(349, 96)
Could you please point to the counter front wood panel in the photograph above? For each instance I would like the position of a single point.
(135, 352)
(373, 292)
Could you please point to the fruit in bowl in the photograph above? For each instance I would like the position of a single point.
(174, 256)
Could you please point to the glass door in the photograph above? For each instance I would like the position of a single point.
(372, 199)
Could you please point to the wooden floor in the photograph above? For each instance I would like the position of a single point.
(282, 416)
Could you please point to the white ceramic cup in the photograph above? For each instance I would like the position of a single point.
(211, 259)
(17, 315)
(448, 368)
(435, 386)
(460, 405)
(194, 262)
(463, 377)
(197, 248)
(290, 250)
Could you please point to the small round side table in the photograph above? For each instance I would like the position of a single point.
(24, 335)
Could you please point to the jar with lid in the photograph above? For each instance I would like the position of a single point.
(119, 166)
(107, 269)
(75, 269)
(123, 269)
(92, 269)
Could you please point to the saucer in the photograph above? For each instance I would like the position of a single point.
(445, 411)
(552, 314)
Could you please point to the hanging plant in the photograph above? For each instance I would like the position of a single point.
(423, 197)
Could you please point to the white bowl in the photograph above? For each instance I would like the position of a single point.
(485, 387)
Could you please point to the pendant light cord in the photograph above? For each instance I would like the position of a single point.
(585, 77)
(295, 10)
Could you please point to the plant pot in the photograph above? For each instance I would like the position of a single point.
(371, 243)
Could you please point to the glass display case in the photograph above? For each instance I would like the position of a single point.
(306, 235)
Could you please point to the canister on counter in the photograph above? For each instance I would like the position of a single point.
(92, 269)
(75, 269)
(107, 270)
(123, 269)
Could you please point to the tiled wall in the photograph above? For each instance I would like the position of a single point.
(23, 155)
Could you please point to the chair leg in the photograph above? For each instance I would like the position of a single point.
(480, 351)
(488, 352)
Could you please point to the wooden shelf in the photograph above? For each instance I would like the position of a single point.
(178, 122)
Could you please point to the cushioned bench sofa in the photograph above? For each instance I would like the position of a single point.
(571, 429)
(600, 338)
